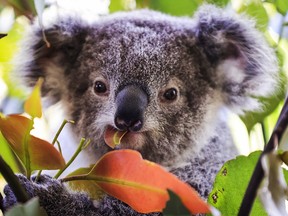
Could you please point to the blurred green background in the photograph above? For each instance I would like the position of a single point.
(250, 132)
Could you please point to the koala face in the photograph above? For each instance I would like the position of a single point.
(161, 79)
(141, 84)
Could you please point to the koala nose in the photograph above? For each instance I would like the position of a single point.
(131, 103)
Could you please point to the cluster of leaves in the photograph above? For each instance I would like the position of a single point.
(122, 174)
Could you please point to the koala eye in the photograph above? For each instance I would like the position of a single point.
(170, 94)
(100, 87)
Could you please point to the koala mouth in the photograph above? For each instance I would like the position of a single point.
(123, 139)
(113, 137)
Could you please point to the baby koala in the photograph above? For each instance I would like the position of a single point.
(162, 80)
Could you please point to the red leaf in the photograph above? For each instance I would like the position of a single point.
(42, 154)
(142, 184)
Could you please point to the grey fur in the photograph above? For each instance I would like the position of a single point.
(214, 60)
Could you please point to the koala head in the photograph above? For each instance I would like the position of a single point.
(160, 78)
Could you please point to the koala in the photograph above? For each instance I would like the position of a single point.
(163, 80)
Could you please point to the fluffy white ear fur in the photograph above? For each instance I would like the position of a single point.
(231, 72)
(246, 66)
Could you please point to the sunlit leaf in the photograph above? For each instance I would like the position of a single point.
(10, 44)
(218, 2)
(142, 184)
(31, 208)
(117, 5)
(88, 186)
(256, 10)
(273, 191)
(32, 105)
(268, 106)
(177, 8)
(42, 154)
(282, 6)
(231, 183)
(7, 154)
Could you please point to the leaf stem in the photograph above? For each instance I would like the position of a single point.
(55, 140)
(13, 182)
(79, 149)
(26, 149)
(258, 173)
(60, 129)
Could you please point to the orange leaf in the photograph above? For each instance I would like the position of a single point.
(14, 128)
(32, 105)
(42, 154)
(142, 184)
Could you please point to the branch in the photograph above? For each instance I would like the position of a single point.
(258, 173)
(13, 182)
(1, 203)
(2, 35)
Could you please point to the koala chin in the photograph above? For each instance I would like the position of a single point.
(159, 79)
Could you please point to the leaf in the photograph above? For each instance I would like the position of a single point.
(177, 8)
(32, 105)
(7, 154)
(10, 44)
(89, 186)
(269, 105)
(42, 154)
(231, 183)
(113, 137)
(282, 6)
(142, 184)
(31, 208)
(256, 10)
(174, 206)
(273, 191)
(117, 5)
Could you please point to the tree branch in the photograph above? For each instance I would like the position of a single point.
(13, 182)
(258, 173)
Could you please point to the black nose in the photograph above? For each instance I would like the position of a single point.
(130, 106)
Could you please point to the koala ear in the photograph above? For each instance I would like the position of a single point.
(244, 66)
(36, 59)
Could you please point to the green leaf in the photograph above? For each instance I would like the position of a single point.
(231, 183)
(218, 2)
(269, 105)
(117, 5)
(10, 44)
(257, 11)
(174, 206)
(282, 6)
(31, 208)
(7, 154)
(177, 8)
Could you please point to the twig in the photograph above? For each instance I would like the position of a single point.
(13, 182)
(2, 35)
(1, 203)
(79, 149)
(55, 140)
(258, 173)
